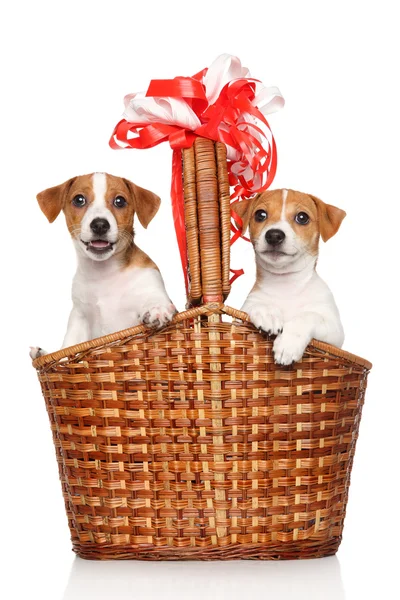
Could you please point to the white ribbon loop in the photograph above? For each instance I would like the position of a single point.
(142, 109)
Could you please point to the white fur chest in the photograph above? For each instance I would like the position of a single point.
(294, 294)
(295, 307)
(113, 299)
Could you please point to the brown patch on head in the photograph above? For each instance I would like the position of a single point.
(60, 197)
(140, 201)
(298, 203)
(330, 218)
(323, 219)
(82, 185)
(52, 200)
(270, 201)
(145, 203)
(137, 200)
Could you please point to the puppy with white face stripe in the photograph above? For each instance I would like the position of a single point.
(289, 299)
(116, 285)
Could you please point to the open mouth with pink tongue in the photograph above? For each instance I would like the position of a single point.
(98, 246)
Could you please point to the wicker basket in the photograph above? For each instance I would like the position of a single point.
(190, 442)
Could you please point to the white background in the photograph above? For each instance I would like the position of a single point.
(66, 67)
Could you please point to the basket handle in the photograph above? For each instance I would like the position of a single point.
(207, 219)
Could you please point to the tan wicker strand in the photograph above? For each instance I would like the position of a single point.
(225, 215)
(192, 228)
(209, 219)
(217, 425)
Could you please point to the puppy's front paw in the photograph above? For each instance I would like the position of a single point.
(158, 316)
(35, 352)
(289, 347)
(269, 319)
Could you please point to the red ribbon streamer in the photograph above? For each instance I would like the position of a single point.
(236, 273)
(221, 122)
(178, 211)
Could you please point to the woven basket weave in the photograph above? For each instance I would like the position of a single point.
(191, 442)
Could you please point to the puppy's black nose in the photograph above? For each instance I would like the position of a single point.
(99, 226)
(275, 237)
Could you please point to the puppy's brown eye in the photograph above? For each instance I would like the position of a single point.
(120, 202)
(260, 215)
(79, 201)
(302, 218)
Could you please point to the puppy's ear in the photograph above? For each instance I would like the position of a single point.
(145, 202)
(243, 210)
(52, 200)
(329, 217)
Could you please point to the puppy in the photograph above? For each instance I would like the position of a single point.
(289, 299)
(116, 285)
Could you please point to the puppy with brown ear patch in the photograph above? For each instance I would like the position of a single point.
(289, 299)
(116, 285)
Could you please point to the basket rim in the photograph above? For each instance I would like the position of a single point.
(205, 309)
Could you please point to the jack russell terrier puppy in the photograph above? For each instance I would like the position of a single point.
(289, 299)
(116, 285)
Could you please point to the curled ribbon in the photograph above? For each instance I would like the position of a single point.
(222, 103)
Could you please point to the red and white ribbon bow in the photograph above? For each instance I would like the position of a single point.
(222, 103)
